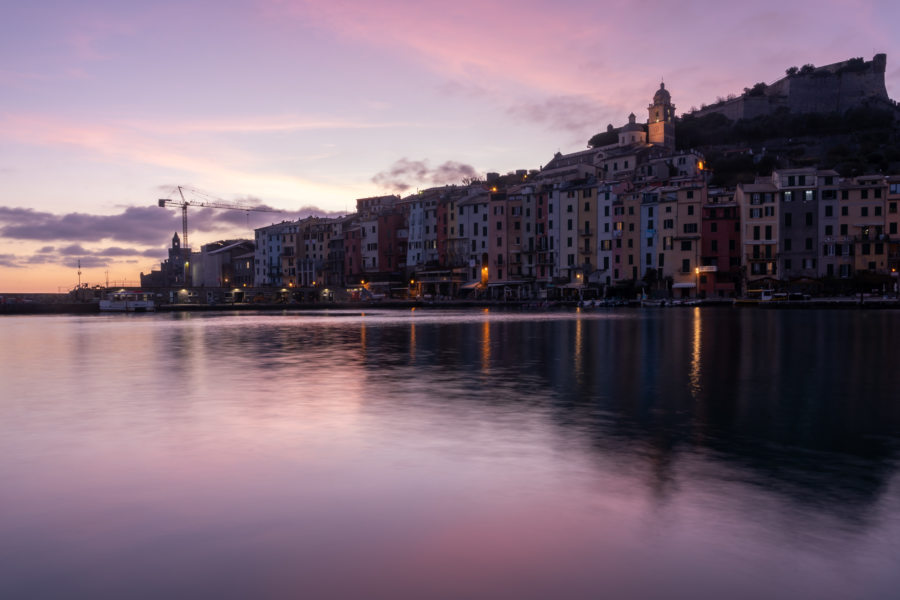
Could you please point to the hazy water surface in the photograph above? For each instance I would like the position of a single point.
(447, 454)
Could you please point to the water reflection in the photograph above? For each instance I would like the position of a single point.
(451, 454)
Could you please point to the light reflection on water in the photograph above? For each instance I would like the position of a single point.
(668, 453)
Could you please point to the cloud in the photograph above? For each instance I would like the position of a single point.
(405, 173)
(144, 225)
(10, 260)
(577, 114)
(85, 262)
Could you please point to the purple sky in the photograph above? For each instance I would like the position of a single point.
(106, 106)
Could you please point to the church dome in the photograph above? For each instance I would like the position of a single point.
(662, 95)
(632, 124)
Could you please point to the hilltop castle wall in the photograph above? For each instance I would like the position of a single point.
(833, 88)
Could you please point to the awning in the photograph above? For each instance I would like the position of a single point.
(676, 286)
(470, 286)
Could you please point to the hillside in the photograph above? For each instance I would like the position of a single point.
(861, 140)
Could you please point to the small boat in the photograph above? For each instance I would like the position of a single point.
(127, 301)
(655, 302)
(755, 297)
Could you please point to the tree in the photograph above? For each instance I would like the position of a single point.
(791, 71)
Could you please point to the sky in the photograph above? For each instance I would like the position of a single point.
(304, 106)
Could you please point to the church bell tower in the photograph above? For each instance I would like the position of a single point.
(661, 119)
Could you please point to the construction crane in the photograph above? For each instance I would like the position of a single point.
(207, 203)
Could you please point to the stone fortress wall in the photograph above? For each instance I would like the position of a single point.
(832, 88)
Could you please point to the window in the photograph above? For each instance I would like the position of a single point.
(864, 194)
(714, 245)
(829, 230)
(788, 196)
(690, 209)
(864, 211)
(809, 244)
(809, 196)
(587, 207)
(686, 265)
(809, 219)
(844, 229)
(569, 225)
(686, 244)
(845, 211)
(892, 228)
(690, 228)
(713, 227)
(756, 232)
(768, 232)
(787, 219)
(829, 210)
(877, 211)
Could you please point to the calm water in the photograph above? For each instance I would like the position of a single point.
(703, 453)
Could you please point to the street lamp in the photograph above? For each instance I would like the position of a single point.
(697, 272)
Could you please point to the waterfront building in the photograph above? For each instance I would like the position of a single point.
(267, 256)
(606, 195)
(720, 239)
(650, 253)
(473, 223)
(798, 239)
(892, 224)
(862, 202)
(759, 231)
(685, 263)
(353, 262)
(214, 266)
(833, 246)
(335, 261)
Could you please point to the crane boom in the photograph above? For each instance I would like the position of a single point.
(212, 203)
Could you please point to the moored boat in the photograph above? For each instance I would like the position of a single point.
(128, 301)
